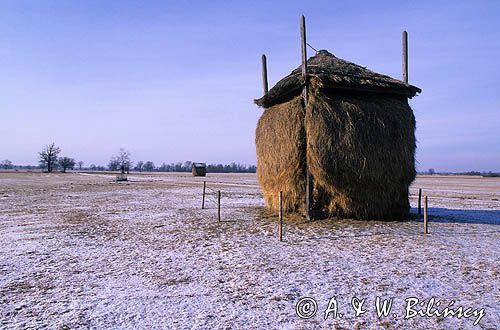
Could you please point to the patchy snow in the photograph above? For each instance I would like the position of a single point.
(82, 251)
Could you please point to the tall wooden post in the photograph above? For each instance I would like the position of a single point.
(405, 56)
(303, 44)
(218, 205)
(426, 227)
(203, 199)
(280, 226)
(264, 74)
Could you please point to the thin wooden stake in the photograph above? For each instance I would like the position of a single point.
(303, 44)
(280, 226)
(426, 228)
(218, 204)
(419, 201)
(264, 74)
(203, 198)
(405, 56)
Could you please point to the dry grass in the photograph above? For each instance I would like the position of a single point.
(281, 154)
(361, 154)
(360, 151)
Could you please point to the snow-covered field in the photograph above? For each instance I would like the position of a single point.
(81, 251)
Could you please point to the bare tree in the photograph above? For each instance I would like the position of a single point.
(139, 166)
(48, 156)
(149, 166)
(66, 163)
(6, 164)
(113, 164)
(80, 165)
(121, 161)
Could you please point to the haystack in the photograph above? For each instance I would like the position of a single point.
(199, 169)
(356, 136)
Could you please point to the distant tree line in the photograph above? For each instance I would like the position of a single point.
(149, 166)
(6, 164)
(50, 160)
(431, 171)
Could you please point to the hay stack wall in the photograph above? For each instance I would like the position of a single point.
(356, 135)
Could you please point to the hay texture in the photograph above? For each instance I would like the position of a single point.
(281, 153)
(359, 144)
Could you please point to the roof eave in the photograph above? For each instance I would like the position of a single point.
(268, 100)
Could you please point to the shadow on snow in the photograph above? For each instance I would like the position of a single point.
(444, 215)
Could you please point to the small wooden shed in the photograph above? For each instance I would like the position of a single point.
(199, 169)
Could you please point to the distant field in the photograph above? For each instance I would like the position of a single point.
(78, 250)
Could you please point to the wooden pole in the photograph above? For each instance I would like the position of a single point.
(303, 44)
(426, 228)
(264, 74)
(419, 201)
(203, 198)
(280, 226)
(405, 56)
(218, 204)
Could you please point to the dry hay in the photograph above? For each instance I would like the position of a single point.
(280, 141)
(360, 151)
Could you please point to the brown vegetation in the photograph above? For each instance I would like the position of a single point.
(359, 144)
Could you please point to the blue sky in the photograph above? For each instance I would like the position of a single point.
(174, 80)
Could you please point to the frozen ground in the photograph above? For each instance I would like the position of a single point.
(80, 251)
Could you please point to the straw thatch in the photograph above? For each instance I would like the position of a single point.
(356, 136)
(335, 73)
(280, 141)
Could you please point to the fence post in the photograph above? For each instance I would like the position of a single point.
(203, 199)
(426, 228)
(264, 74)
(218, 204)
(405, 56)
(280, 226)
(419, 201)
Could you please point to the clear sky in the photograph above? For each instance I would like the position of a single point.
(174, 80)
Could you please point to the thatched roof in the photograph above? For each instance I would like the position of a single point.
(328, 71)
(199, 169)
(199, 165)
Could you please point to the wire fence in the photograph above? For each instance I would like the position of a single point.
(211, 196)
(214, 202)
(211, 199)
